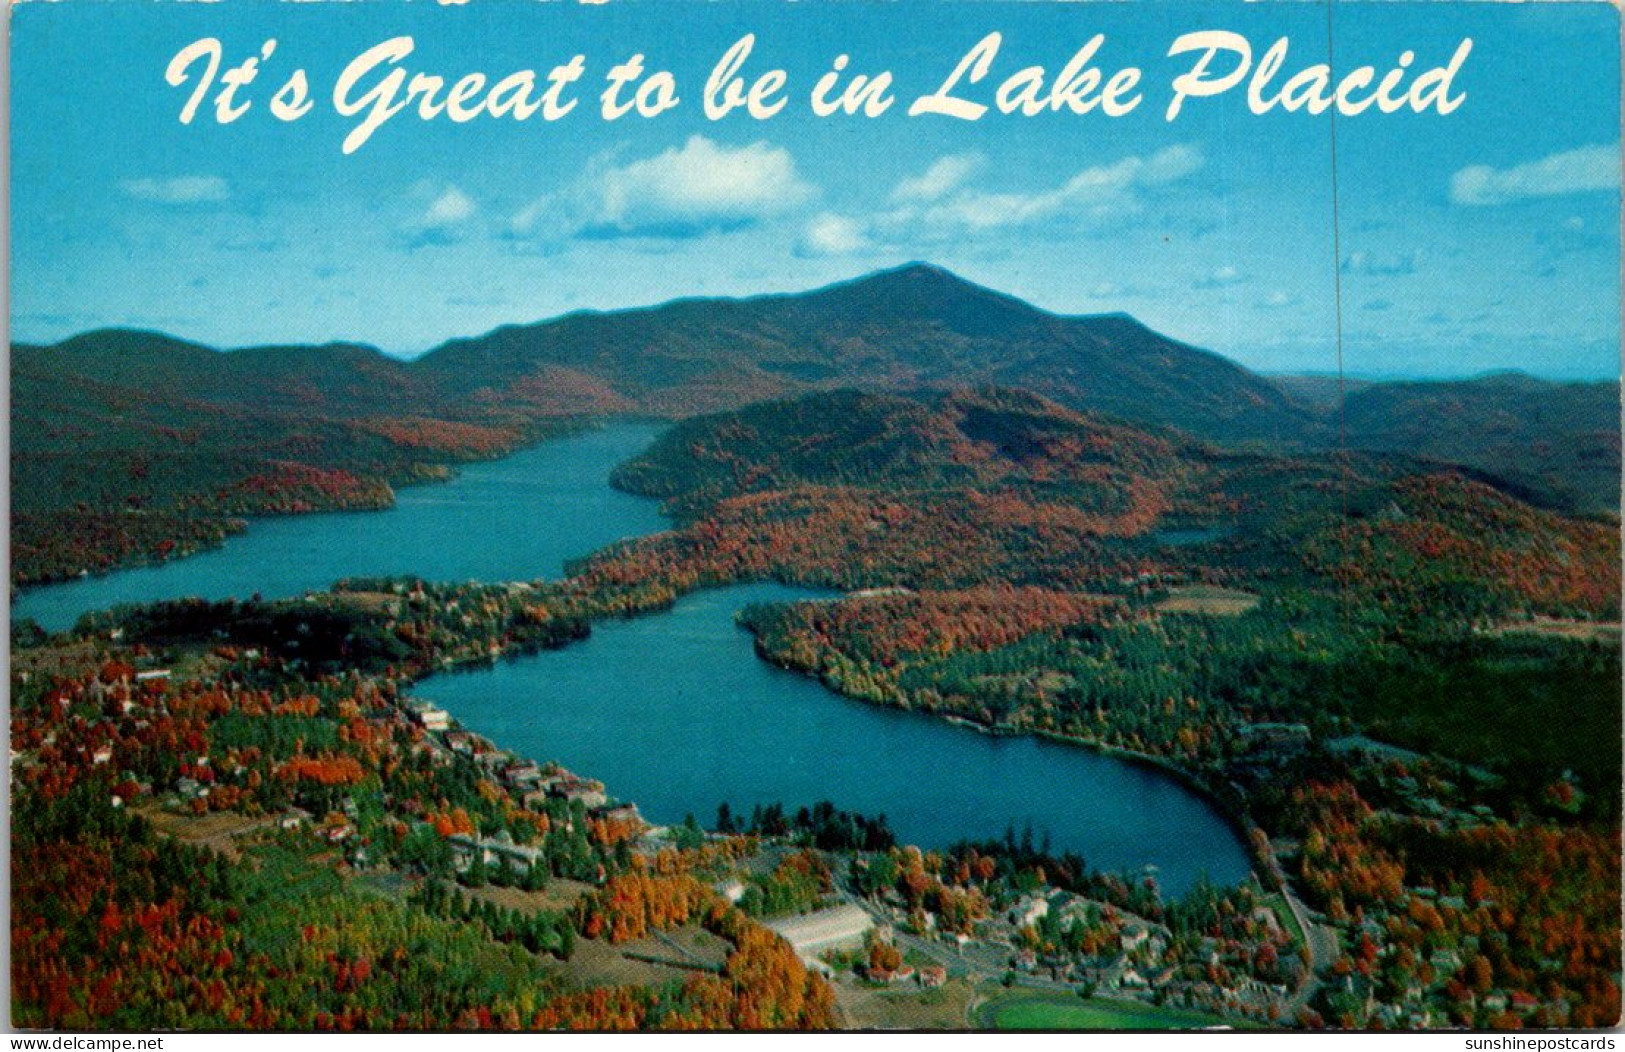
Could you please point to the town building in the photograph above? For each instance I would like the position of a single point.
(838, 928)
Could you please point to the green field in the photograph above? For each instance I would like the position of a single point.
(1042, 1011)
(1285, 917)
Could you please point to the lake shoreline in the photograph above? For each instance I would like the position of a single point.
(1232, 810)
(237, 525)
(529, 520)
(227, 569)
(520, 702)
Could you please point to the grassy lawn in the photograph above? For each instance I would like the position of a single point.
(1045, 1011)
(1286, 918)
(943, 1008)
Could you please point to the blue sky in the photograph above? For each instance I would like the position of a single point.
(1485, 239)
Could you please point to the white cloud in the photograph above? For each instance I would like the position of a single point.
(704, 182)
(180, 190)
(684, 191)
(945, 174)
(1278, 299)
(1100, 193)
(444, 219)
(938, 207)
(828, 234)
(1571, 172)
(1221, 277)
(1378, 265)
(452, 206)
(1116, 291)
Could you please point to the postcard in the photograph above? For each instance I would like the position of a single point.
(974, 516)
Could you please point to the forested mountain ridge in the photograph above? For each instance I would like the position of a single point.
(985, 438)
(1556, 442)
(129, 446)
(951, 489)
(913, 326)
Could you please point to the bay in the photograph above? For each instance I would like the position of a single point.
(674, 711)
(514, 519)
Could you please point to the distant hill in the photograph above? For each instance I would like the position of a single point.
(128, 447)
(1318, 391)
(348, 379)
(987, 439)
(948, 489)
(1557, 443)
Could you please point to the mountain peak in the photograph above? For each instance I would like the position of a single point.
(919, 275)
(922, 284)
(920, 291)
(918, 270)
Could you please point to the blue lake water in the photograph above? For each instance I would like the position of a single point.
(515, 519)
(674, 710)
(1184, 538)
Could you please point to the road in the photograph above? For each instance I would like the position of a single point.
(1320, 949)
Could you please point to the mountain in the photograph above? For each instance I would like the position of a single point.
(1557, 443)
(987, 439)
(949, 489)
(914, 326)
(339, 377)
(130, 445)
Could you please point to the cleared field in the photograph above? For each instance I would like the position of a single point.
(217, 831)
(1207, 599)
(597, 963)
(66, 659)
(369, 602)
(1285, 917)
(1562, 629)
(560, 894)
(903, 1007)
(1028, 1010)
